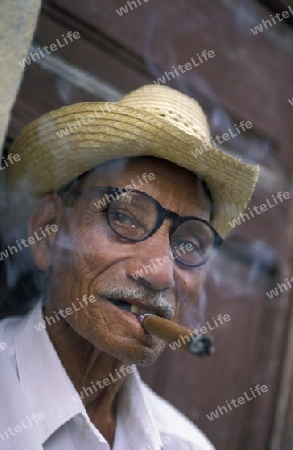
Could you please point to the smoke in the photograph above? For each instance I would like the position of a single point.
(195, 315)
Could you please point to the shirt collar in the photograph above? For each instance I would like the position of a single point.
(44, 381)
(49, 390)
(135, 415)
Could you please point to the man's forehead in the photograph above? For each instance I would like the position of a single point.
(127, 168)
(166, 179)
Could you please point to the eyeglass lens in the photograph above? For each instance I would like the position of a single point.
(134, 216)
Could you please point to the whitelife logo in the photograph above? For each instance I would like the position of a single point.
(279, 288)
(263, 207)
(53, 47)
(201, 58)
(3, 346)
(236, 403)
(162, 261)
(10, 159)
(48, 320)
(119, 194)
(202, 330)
(231, 133)
(80, 122)
(31, 240)
(259, 28)
(24, 425)
(124, 9)
(86, 391)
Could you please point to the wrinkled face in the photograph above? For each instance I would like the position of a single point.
(89, 258)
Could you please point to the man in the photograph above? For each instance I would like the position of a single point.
(109, 191)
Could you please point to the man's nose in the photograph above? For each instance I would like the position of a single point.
(153, 263)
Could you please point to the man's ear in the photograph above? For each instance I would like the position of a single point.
(46, 216)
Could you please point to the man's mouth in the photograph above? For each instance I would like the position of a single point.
(135, 309)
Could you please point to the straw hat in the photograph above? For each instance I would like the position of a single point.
(152, 120)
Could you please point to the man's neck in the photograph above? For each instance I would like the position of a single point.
(96, 375)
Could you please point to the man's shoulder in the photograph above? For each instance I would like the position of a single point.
(8, 325)
(10, 320)
(172, 422)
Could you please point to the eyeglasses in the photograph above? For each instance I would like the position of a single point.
(136, 216)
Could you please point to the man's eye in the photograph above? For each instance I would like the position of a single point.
(122, 219)
(194, 245)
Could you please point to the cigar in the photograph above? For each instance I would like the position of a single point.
(171, 332)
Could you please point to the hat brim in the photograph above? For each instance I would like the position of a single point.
(104, 131)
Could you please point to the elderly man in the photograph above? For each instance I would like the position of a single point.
(109, 191)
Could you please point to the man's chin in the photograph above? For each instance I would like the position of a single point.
(146, 362)
(144, 356)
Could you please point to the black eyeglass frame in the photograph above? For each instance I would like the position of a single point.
(162, 214)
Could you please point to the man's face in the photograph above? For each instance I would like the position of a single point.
(89, 258)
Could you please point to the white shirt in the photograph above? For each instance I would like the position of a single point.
(40, 408)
